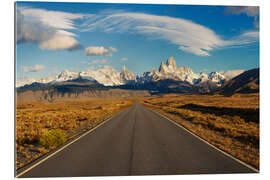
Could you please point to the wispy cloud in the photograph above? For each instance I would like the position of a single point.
(34, 68)
(189, 36)
(51, 30)
(97, 51)
(47, 29)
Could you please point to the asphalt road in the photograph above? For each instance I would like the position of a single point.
(137, 141)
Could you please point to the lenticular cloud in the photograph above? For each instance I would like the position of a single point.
(189, 36)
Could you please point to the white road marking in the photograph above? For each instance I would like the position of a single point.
(223, 152)
(84, 134)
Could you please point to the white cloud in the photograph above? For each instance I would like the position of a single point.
(124, 59)
(60, 41)
(112, 49)
(46, 28)
(189, 36)
(233, 73)
(34, 68)
(245, 38)
(97, 51)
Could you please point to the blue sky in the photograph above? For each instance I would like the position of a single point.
(52, 37)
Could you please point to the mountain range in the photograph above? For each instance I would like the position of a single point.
(168, 78)
(108, 76)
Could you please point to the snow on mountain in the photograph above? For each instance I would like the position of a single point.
(171, 71)
(110, 77)
(217, 78)
(126, 76)
(202, 77)
(32, 80)
(66, 75)
(106, 76)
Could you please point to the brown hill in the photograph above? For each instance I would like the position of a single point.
(247, 82)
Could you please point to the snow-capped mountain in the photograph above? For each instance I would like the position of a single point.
(108, 76)
(33, 80)
(170, 71)
(65, 76)
(202, 78)
(126, 76)
(217, 78)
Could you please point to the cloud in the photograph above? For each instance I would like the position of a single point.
(245, 38)
(248, 10)
(60, 41)
(251, 11)
(189, 36)
(47, 29)
(97, 51)
(232, 73)
(112, 49)
(35, 68)
(124, 59)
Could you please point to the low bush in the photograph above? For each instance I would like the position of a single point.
(53, 138)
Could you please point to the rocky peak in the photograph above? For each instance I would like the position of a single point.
(66, 75)
(217, 77)
(126, 75)
(171, 64)
(162, 68)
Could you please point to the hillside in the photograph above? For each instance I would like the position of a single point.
(247, 82)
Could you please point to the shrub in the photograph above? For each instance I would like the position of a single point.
(53, 138)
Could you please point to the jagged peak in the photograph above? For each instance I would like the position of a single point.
(171, 61)
(162, 66)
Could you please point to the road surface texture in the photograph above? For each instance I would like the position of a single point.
(137, 141)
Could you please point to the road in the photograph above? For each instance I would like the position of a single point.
(137, 141)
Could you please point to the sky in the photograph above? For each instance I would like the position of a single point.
(52, 37)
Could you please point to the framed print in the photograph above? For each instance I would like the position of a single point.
(115, 89)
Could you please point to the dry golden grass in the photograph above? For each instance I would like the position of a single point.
(34, 119)
(229, 123)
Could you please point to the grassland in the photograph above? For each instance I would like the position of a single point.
(40, 125)
(229, 123)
